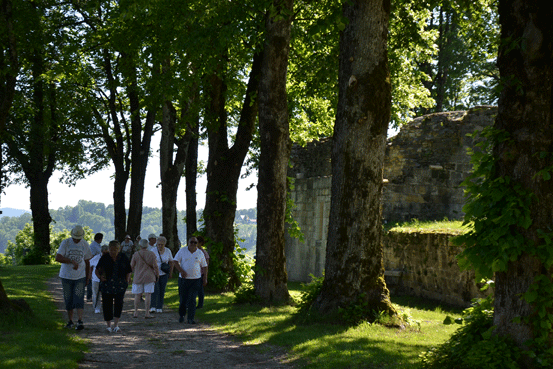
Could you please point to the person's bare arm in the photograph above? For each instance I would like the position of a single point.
(65, 260)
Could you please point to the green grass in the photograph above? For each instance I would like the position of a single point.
(415, 225)
(38, 340)
(326, 345)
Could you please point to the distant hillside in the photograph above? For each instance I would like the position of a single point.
(99, 218)
(9, 212)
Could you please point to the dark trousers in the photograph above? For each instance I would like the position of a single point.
(201, 295)
(188, 291)
(112, 305)
(159, 292)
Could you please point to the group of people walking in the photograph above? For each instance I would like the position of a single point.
(107, 270)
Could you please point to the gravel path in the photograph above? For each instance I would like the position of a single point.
(164, 343)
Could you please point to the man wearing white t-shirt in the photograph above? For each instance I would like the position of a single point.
(190, 262)
(74, 255)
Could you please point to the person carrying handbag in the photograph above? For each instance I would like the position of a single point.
(165, 264)
(146, 273)
(114, 272)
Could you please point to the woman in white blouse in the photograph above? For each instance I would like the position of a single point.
(163, 255)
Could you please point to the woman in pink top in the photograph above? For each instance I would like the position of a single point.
(146, 272)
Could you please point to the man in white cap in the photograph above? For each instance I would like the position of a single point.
(74, 255)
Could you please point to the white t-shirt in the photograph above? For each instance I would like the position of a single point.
(192, 263)
(75, 251)
(165, 258)
(95, 248)
(93, 264)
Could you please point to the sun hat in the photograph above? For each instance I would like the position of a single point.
(77, 232)
(143, 243)
(127, 236)
(152, 236)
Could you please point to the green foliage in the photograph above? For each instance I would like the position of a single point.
(293, 228)
(496, 206)
(474, 345)
(309, 293)
(99, 218)
(24, 252)
(242, 263)
(499, 209)
(246, 294)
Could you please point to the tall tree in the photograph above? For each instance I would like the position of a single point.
(354, 271)
(274, 131)
(511, 202)
(125, 96)
(41, 136)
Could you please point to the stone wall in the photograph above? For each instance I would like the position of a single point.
(425, 265)
(424, 166)
(426, 163)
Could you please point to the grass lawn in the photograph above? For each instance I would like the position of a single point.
(40, 341)
(329, 345)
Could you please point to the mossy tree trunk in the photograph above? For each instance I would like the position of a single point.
(525, 110)
(274, 130)
(354, 271)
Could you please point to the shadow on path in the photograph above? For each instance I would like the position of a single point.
(162, 342)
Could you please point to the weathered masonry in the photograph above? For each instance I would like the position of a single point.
(423, 169)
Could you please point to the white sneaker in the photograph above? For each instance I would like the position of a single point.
(97, 311)
(116, 330)
(108, 329)
(159, 311)
(152, 310)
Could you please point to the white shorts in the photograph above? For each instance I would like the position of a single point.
(140, 288)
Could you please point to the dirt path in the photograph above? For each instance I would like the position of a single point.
(163, 343)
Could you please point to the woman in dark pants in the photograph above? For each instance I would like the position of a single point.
(114, 272)
(163, 255)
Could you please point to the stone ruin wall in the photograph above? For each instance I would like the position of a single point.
(424, 165)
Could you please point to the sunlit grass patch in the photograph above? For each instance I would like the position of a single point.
(35, 340)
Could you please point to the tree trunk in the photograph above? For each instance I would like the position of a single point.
(141, 137)
(41, 215)
(140, 155)
(191, 174)
(274, 130)
(7, 306)
(354, 271)
(223, 170)
(171, 172)
(525, 108)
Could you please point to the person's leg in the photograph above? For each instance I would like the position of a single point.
(148, 298)
(162, 286)
(182, 301)
(136, 302)
(67, 286)
(107, 305)
(89, 290)
(155, 295)
(95, 296)
(201, 295)
(117, 309)
(79, 300)
(191, 302)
